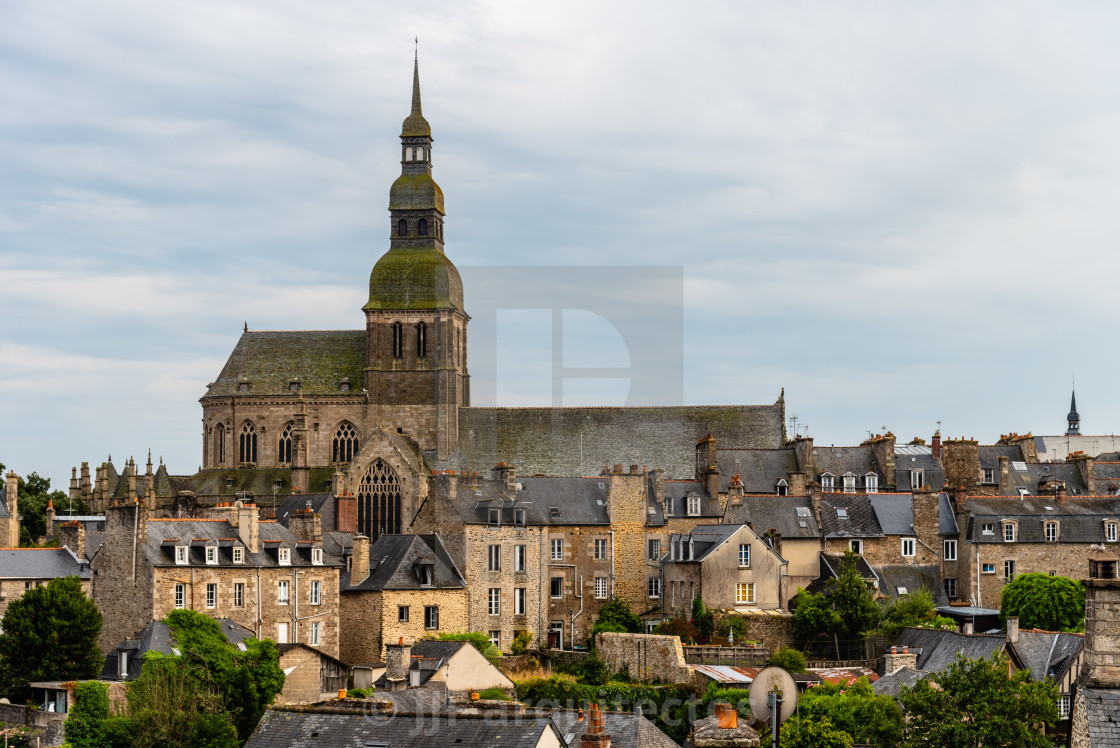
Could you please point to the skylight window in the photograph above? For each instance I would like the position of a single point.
(842, 513)
(554, 512)
(802, 511)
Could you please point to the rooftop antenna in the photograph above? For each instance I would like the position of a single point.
(793, 424)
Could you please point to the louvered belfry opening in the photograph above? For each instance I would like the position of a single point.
(379, 502)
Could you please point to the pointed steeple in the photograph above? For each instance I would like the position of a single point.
(1073, 419)
(415, 126)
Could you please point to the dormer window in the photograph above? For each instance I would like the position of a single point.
(519, 517)
(284, 556)
(212, 555)
(917, 479)
(344, 385)
(1050, 530)
(238, 555)
(827, 481)
(242, 386)
(495, 517)
(293, 386)
(988, 476)
(693, 506)
(871, 482)
(849, 482)
(1009, 532)
(317, 556)
(424, 574)
(988, 528)
(181, 554)
(1111, 531)
(783, 487)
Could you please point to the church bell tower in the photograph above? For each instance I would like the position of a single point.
(416, 354)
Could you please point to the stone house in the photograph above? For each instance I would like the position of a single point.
(24, 568)
(1095, 718)
(402, 587)
(310, 675)
(1004, 536)
(730, 567)
(230, 564)
(789, 525)
(456, 666)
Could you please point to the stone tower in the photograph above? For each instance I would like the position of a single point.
(416, 356)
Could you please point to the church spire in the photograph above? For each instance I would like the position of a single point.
(1073, 419)
(415, 126)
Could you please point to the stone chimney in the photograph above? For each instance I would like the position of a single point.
(883, 449)
(248, 527)
(505, 473)
(398, 660)
(1013, 629)
(735, 489)
(798, 484)
(359, 560)
(1086, 465)
(723, 730)
(657, 476)
(898, 658)
(50, 515)
(73, 536)
(935, 444)
(1101, 667)
(307, 524)
(73, 485)
(803, 451)
(706, 470)
(11, 493)
(85, 492)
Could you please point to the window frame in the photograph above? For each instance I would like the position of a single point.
(601, 594)
(283, 592)
(855, 545)
(600, 549)
(1050, 530)
(211, 555)
(947, 545)
(744, 593)
(828, 482)
(1064, 704)
(431, 616)
(848, 481)
(910, 544)
(182, 555)
(1009, 531)
(653, 587)
(744, 555)
(917, 479)
(988, 475)
(402, 613)
(494, 557)
(693, 507)
(1111, 531)
(1009, 570)
(315, 592)
(314, 634)
(494, 601)
(988, 567)
(520, 601)
(239, 594)
(519, 556)
(556, 549)
(316, 556)
(211, 595)
(653, 549)
(871, 483)
(284, 556)
(238, 555)
(950, 585)
(553, 587)
(180, 596)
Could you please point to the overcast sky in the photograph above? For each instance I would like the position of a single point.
(902, 213)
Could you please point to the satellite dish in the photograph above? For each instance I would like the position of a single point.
(772, 679)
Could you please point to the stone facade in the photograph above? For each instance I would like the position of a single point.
(648, 657)
(9, 525)
(716, 576)
(370, 620)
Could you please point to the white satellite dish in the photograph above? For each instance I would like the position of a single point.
(773, 680)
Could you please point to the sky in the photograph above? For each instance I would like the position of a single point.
(904, 214)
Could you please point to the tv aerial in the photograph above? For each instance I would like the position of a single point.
(773, 697)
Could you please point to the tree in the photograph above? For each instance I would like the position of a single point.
(679, 627)
(916, 610)
(85, 722)
(617, 613)
(478, 640)
(34, 495)
(813, 617)
(702, 619)
(850, 595)
(50, 633)
(975, 703)
(245, 681)
(855, 710)
(788, 658)
(173, 704)
(816, 733)
(1044, 602)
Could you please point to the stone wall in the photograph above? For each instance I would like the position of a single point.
(125, 601)
(773, 631)
(961, 460)
(369, 620)
(647, 656)
(1065, 559)
(301, 685)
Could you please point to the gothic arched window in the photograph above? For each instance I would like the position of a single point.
(422, 227)
(220, 442)
(398, 340)
(421, 339)
(284, 453)
(402, 227)
(379, 502)
(345, 444)
(248, 443)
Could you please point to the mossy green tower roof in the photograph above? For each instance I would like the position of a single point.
(415, 273)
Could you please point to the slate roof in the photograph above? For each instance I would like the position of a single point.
(894, 512)
(1102, 707)
(322, 504)
(41, 563)
(840, 460)
(828, 568)
(393, 560)
(860, 522)
(947, 517)
(157, 636)
(908, 457)
(579, 501)
(705, 540)
(892, 684)
(758, 469)
(320, 359)
(1081, 517)
(677, 493)
(627, 729)
(294, 729)
(780, 513)
(548, 440)
(938, 649)
(258, 482)
(1047, 654)
(912, 577)
(165, 534)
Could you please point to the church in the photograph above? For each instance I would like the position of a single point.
(371, 413)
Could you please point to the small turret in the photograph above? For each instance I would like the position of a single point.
(1073, 419)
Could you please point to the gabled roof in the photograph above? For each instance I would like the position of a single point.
(41, 563)
(791, 516)
(544, 500)
(393, 560)
(268, 361)
(893, 578)
(1081, 517)
(894, 512)
(706, 539)
(758, 469)
(892, 684)
(678, 491)
(858, 460)
(627, 729)
(157, 636)
(306, 729)
(937, 650)
(165, 534)
(1046, 654)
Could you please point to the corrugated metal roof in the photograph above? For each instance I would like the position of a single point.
(727, 673)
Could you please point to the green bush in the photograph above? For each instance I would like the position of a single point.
(85, 723)
(594, 671)
(1045, 602)
(702, 619)
(521, 642)
(788, 658)
(479, 640)
(493, 694)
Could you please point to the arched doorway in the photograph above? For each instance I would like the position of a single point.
(379, 502)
